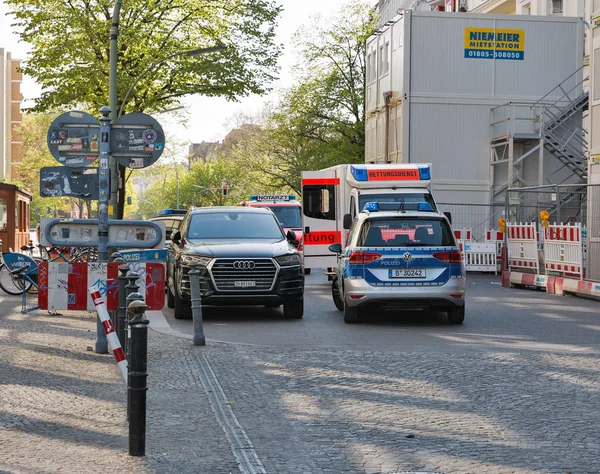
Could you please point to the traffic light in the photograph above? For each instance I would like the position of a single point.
(224, 190)
(129, 200)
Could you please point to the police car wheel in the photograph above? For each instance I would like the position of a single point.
(456, 314)
(335, 294)
(183, 308)
(350, 314)
(170, 298)
(294, 308)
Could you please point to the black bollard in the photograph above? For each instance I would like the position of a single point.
(196, 300)
(137, 375)
(122, 313)
(135, 296)
(114, 314)
(131, 287)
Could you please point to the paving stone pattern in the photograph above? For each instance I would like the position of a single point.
(349, 411)
(63, 408)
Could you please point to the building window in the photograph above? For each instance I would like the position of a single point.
(557, 6)
(3, 214)
(384, 59)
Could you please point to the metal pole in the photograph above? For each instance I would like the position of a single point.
(123, 270)
(137, 379)
(196, 300)
(112, 93)
(558, 219)
(104, 184)
(177, 183)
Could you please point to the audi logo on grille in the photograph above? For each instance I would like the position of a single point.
(243, 265)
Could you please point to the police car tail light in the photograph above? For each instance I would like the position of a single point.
(361, 258)
(449, 257)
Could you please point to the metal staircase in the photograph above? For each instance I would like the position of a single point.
(520, 131)
(564, 137)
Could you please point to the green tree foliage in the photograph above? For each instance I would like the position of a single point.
(320, 121)
(70, 49)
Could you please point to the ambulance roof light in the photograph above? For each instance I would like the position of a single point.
(371, 206)
(424, 172)
(359, 173)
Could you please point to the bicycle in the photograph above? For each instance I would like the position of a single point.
(18, 273)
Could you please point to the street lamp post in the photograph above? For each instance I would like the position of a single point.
(112, 96)
(113, 91)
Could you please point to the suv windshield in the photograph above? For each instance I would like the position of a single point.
(233, 225)
(289, 216)
(399, 198)
(405, 232)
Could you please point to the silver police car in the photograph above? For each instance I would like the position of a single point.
(399, 256)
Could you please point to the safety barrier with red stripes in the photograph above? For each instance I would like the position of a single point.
(563, 249)
(522, 247)
(109, 329)
(63, 286)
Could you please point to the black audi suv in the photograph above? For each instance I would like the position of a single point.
(243, 256)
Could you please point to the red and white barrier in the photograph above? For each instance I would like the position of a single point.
(522, 247)
(563, 249)
(109, 329)
(62, 286)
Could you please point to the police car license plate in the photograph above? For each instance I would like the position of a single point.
(408, 273)
(244, 284)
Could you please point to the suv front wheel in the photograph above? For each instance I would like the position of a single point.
(294, 308)
(183, 308)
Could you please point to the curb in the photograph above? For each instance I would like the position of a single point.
(554, 285)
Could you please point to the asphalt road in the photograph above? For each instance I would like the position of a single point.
(497, 319)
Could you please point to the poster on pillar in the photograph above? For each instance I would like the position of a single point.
(137, 140)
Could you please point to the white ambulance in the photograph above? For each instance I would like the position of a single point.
(329, 194)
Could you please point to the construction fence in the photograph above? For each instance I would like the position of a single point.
(575, 205)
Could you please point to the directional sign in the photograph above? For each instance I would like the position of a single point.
(137, 140)
(73, 139)
(60, 181)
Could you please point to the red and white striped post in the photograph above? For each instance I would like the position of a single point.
(109, 329)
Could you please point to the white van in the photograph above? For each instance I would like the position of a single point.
(329, 194)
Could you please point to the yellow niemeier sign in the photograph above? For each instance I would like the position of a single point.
(490, 43)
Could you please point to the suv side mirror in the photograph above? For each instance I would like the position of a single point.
(336, 248)
(347, 221)
(291, 238)
(448, 216)
(176, 237)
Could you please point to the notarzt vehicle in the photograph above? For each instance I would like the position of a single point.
(399, 256)
(244, 258)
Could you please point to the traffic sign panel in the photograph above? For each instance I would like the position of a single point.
(73, 139)
(137, 140)
(61, 181)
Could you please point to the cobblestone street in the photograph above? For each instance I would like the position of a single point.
(234, 407)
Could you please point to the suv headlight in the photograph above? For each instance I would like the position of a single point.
(289, 260)
(196, 259)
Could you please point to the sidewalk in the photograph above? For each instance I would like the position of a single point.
(63, 407)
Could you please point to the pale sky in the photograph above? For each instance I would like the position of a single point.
(207, 117)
